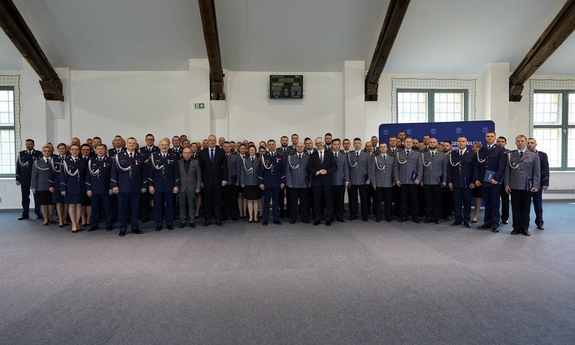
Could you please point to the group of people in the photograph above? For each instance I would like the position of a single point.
(405, 177)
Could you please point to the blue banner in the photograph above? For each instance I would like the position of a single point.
(473, 130)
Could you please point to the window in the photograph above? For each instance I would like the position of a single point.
(431, 105)
(553, 123)
(7, 132)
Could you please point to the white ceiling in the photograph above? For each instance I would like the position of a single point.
(437, 36)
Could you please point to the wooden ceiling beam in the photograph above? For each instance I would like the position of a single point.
(20, 34)
(393, 19)
(210, 26)
(554, 35)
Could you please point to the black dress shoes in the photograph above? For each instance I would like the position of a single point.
(416, 220)
(437, 221)
(540, 226)
(515, 232)
(305, 221)
(182, 225)
(39, 217)
(494, 229)
(277, 221)
(526, 232)
(317, 222)
(137, 231)
(456, 223)
(292, 221)
(364, 219)
(427, 221)
(339, 219)
(466, 224)
(207, 223)
(92, 228)
(504, 221)
(353, 217)
(484, 226)
(23, 217)
(170, 227)
(235, 219)
(328, 223)
(219, 223)
(192, 225)
(388, 219)
(109, 228)
(159, 228)
(377, 219)
(145, 219)
(402, 219)
(122, 233)
(265, 223)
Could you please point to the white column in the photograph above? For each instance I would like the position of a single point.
(198, 124)
(34, 117)
(496, 100)
(354, 99)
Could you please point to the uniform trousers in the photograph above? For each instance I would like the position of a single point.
(504, 204)
(447, 203)
(25, 189)
(281, 201)
(323, 194)
(161, 200)
(145, 207)
(354, 189)
(462, 196)
(128, 202)
(273, 194)
(212, 201)
(491, 196)
(101, 200)
(521, 207)
(339, 197)
(383, 194)
(409, 200)
(538, 206)
(230, 201)
(433, 195)
(301, 195)
(187, 198)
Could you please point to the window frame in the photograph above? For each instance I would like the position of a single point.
(563, 126)
(430, 112)
(12, 128)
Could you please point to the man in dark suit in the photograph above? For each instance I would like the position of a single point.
(488, 170)
(321, 166)
(538, 196)
(214, 167)
(460, 181)
(24, 177)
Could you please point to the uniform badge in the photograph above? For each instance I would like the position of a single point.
(136, 162)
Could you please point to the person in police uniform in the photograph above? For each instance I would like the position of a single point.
(502, 141)
(460, 181)
(163, 183)
(98, 188)
(177, 149)
(24, 163)
(250, 182)
(42, 183)
(272, 178)
(538, 196)
(522, 178)
(73, 185)
(128, 180)
(358, 161)
(298, 182)
(382, 181)
(57, 197)
(145, 200)
(408, 174)
(434, 177)
(488, 170)
(117, 146)
(340, 179)
(230, 190)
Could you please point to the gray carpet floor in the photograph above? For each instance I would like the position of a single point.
(351, 283)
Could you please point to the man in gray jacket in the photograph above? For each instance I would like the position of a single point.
(190, 185)
(522, 177)
(408, 173)
(381, 177)
(434, 177)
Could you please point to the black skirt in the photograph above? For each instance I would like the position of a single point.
(252, 193)
(44, 197)
(476, 192)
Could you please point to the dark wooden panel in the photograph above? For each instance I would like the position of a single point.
(210, 26)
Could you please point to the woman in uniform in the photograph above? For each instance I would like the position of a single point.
(42, 183)
(73, 185)
(249, 181)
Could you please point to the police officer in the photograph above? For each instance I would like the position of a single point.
(24, 164)
(42, 183)
(488, 173)
(382, 181)
(163, 183)
(230, 190)
(298, 181)
(460, 181)
(177, 149)
(538, 196)
(98, 188)
(117, 146)
(128, 181)
(250, 182)
(434, 177)
(408, 174)
(146, 151)
(272, 178)
(502, 141)
(358, 161)
(340, 179)
(522, 178)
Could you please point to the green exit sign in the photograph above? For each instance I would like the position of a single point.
(199, 105)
